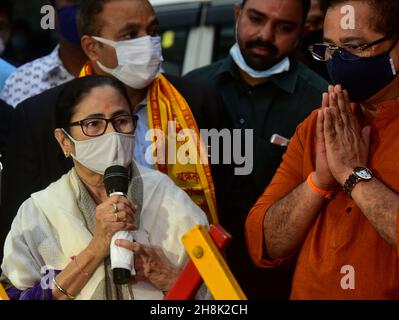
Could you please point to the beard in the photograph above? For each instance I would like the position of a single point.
(259, 62)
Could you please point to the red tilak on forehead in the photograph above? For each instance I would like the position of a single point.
(106, 107)
(143, 19)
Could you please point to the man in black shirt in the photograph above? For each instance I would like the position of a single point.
(266, 90)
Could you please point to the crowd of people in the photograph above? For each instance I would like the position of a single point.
(314, 219)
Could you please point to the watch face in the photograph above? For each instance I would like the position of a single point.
(364, 173)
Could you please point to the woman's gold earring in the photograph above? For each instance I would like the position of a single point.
(67, 154)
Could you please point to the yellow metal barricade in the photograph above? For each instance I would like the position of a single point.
(211, 265)
(3, 294)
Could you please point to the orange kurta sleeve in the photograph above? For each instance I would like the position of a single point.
(289, 175)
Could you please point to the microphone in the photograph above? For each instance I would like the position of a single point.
(116, 181)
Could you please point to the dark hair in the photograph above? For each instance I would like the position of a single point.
(76, 90)
(384, 18)
(306, 7)
(88, 16)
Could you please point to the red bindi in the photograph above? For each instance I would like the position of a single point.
(106, 107)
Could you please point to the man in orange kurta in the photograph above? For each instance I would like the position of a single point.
(344, 242)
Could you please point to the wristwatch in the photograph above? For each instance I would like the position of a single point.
(358, 174)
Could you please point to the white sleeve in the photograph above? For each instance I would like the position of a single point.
(19, 264)
(173, 214)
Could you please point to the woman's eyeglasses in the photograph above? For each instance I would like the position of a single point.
(95, 127)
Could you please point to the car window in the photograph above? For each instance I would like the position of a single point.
(220, 15)
(224, 40)
(175, 22)
(174, 43)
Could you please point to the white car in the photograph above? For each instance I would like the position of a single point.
(194, 33)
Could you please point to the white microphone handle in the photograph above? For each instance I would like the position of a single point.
(121, 257)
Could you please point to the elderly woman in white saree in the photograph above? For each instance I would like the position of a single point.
(59, 243)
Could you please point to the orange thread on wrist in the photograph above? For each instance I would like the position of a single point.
(325, 193)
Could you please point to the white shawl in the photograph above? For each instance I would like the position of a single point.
(49, 228)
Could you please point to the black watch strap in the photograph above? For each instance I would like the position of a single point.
(350, 184)
(358, 174)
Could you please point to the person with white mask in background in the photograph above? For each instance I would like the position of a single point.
(265, 89)
(122, 41)
(67, 228)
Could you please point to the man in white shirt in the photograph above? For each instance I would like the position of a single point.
(60, 66)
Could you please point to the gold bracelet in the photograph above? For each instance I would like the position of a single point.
(63, 291)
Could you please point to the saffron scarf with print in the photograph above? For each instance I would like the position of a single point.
(167, 109)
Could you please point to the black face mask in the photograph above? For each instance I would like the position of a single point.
(361, 77)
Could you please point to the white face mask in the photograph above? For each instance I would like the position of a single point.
(99, 153)
(282, 66)
(235, 52)
(2, 46)
(139, 60)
